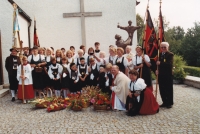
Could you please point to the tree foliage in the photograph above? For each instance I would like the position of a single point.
(140, 22)
(190, 47)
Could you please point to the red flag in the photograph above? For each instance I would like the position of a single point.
(35, 36)
(161, 28)
(150, 42)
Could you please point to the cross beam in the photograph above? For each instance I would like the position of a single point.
(82, 14)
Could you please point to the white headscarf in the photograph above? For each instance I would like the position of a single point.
(140, 85)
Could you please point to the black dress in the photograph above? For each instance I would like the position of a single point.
(74, 87)
(65, 80)
(146, 73)
(102, 81)
(95, 73)
(107, 88)
(38, 77)
(135, 104)
(82, 71)
(47, 80)
(121, 65)
(55, 83)
(11, 65)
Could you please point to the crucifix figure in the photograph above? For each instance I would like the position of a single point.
(82, 14)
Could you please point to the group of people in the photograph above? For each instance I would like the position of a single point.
(124, 76)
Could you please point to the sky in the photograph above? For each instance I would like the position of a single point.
(178, 12)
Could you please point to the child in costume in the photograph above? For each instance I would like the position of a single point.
(65, 77)
(26, 76)
(55, 70)
(83, 73)
(73, 78)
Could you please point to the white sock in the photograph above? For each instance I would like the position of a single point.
(58, 92)
(13, 93)
(48, 94)
(65, 93)
(35, 93)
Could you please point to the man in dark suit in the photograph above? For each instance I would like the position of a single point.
(165, 75)
(11, 65)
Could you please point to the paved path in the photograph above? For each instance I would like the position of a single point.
(184, 117)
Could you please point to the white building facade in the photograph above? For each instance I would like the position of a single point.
(56, 31)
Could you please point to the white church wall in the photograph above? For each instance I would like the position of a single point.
(56, 31)
(23, 30)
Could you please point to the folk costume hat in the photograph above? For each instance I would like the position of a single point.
(14, 48)
(140, 84)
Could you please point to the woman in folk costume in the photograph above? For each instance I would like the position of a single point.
(41, 51)
(119, 89)
(37, 61)
(11, 65)
(79, 56)
(73, 79)
(129, 56)
(112, 57)
(92, 55)
(47, 79)
(121, 61)
(55, 70)
(28, 92)
(142, 64)
(59, 56)
(69, 56)
(140, 99)
(85, 55)
(101, 58)
(93, 73)
(65, 77)
(83, 73)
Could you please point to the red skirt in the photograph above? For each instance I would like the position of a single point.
(149, 105)
(28, 92)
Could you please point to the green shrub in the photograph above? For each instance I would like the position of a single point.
(153, 76)
(193, 71)
(178, 71)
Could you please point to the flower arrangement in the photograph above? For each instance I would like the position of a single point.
(101, 99)
(58, 104)
(75, 102)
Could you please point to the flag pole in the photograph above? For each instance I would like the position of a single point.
(144, 36)
(21, 46)
(158, 50)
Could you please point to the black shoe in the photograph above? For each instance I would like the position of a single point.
(169, 106)
(163, 105)
(157, 111)
(13, 98)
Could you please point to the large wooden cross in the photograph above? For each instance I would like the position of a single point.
(82, 14)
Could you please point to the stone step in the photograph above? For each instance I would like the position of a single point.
(1, 87)
(3, 92)
(192, 81)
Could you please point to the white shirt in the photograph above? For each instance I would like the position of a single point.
(67, 66)
(129, 58)
(77, 78)
(139, 59)
(36, 57)
(131, 87)
(85, 66)
(112, 58)
(55, 67)
(27, 74)
(48, 58)
(119, 59)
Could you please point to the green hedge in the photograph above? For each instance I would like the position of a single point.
(193, 71)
